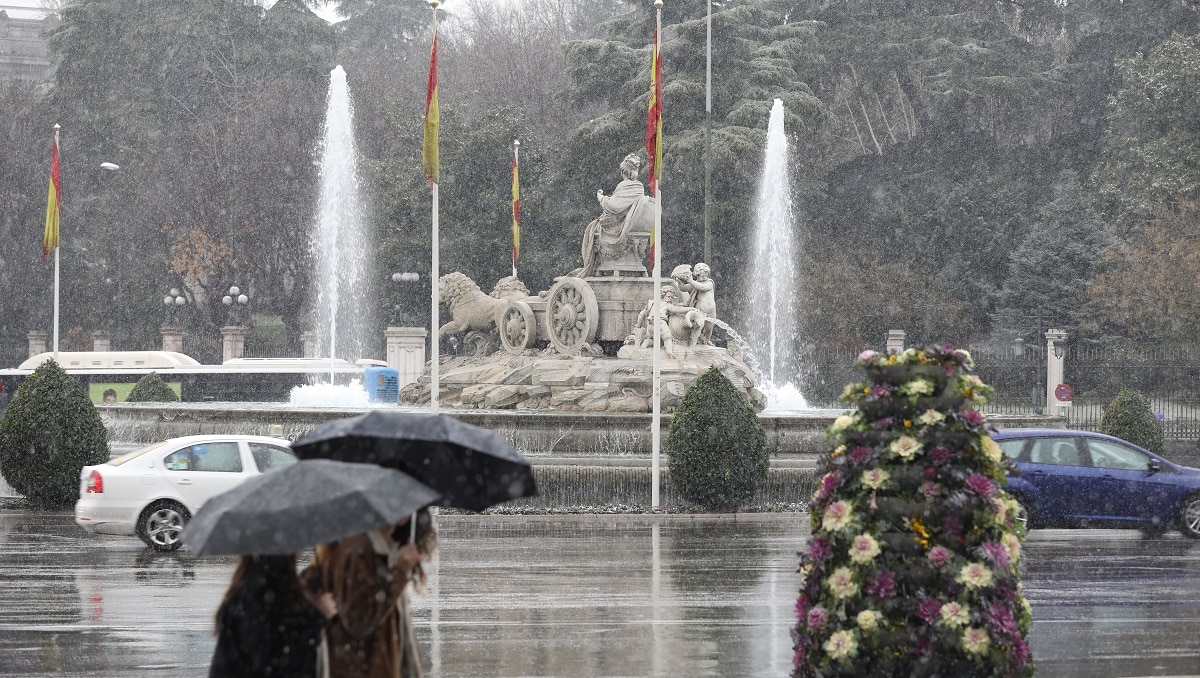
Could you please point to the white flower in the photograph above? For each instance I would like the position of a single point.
(917, 387)
(875, 478)
(841, 423)
(863, 549)
(841, 645)
(931, 417)
(905, 447)
(837, 516)
(1013, 545)
(841, 583)
(975, 576)
(954, 614)
(975, 640)
(868, 620)
(990, 448)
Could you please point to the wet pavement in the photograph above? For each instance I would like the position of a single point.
(579, 596)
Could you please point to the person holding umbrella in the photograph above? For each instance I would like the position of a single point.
(372, 636)
(268, 624)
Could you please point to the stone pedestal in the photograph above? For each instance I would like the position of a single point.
(895, 341)
(233, 342)
(308, 344)
(101, 341)
(406, 352)
(172, 338)
(37, 342)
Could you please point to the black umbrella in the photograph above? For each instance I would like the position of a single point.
(302, 505)
(472, 468)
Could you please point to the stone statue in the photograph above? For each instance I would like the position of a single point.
(700, 294)
(470, 308)
(617, 240)
(676, 323)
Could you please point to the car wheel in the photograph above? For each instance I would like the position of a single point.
(1189, 517)
(1023, 516)
(161, 523)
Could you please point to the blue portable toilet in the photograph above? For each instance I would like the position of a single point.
(382, 384)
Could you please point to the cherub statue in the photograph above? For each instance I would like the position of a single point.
(702, 297)
(676, 323)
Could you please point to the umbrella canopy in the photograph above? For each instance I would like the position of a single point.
(302, 505)
(472, 468)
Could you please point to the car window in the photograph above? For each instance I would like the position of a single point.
(117, 461)
(267, 457)
(179, 460)
(218, 457)
(1057, 451)
(1107, 454)
(1012, 447)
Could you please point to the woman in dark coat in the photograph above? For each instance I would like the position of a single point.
(268, 624)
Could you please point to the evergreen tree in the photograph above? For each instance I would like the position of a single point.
(49, 432)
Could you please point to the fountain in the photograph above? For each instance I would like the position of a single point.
(773, 277)
(340, 246)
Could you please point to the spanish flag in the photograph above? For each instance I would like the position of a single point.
(516, 209)
(429, 152)
(53, 204)
(654, 132)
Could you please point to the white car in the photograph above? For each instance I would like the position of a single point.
(154, 491)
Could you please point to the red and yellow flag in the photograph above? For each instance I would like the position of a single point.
(429, 151)
(53, 204)
(516, 211)
(654, 133)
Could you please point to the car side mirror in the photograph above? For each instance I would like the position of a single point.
(1154, 466)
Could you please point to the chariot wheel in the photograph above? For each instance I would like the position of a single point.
(518, 329)
(572, 316)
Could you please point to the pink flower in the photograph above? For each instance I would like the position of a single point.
(819, 549)
(929, 610)
(883, 585)
(931, 489)
(940, 455)
(980, 485)
(997, 553)
(817, 618)
(972, 417)
(938, 556)
(860, 454)
(866, 356)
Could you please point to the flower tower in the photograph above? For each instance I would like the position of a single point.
(915, 562)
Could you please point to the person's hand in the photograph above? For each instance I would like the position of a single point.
(325, 603)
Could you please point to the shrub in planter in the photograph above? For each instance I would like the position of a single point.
(1130, 417)
(718, 451)
(152, 389)
(915, 559)
(50, 431)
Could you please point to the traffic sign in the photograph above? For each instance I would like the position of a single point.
(1062, 393)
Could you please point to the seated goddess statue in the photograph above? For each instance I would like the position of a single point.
(617, 240)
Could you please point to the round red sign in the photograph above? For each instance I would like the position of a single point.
(1062, 393)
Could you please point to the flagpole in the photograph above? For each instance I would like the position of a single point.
(435, 343)
(56, 250)
(516, 226)
(656, 405)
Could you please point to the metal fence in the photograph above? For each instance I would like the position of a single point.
(1168, 376)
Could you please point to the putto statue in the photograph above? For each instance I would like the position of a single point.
(615, 243)
(699, 293)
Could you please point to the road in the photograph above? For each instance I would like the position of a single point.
(579, 596)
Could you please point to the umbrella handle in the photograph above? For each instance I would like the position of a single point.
(412, 531)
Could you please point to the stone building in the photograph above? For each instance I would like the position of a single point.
(23, 51)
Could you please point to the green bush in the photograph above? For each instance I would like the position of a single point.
(718, 451)
(152, 389)
(50, 431)
(1130, 417)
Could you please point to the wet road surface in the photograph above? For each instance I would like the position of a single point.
(579, 596)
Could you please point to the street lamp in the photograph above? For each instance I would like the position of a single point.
(234, 300)
(403, 315)
(120, 310)
(174, 301)
(1060, 348)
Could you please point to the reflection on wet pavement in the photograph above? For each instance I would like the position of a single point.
(578, 596)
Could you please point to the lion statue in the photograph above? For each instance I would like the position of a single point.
(470, 308)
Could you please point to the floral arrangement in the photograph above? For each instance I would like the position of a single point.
(914, 567)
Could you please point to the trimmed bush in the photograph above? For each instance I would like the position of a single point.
(1130, 417)
(50, 431)
(151, 389)
(718, 451)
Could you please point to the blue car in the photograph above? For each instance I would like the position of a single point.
(1078, 478)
